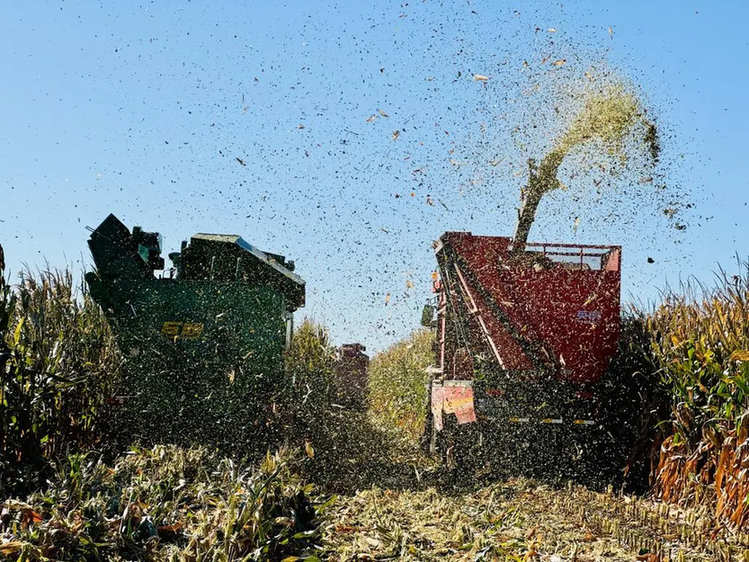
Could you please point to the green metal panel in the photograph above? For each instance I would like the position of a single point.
(199, 320)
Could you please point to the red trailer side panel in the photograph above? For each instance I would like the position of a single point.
(553, 307)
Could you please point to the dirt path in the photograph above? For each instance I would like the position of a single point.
(519, 520)
(394, 504)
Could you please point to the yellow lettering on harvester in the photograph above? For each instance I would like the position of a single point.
(182, 330)
(171, 328)
(191, 330)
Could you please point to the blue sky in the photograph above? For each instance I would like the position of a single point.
(142, 109)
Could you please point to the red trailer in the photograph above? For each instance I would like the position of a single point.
(524, 335)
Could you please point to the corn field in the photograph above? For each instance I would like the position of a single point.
(58, 366)
(701, 344)
(397, 379)
(687, 362)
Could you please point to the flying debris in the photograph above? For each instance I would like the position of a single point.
(309, 450)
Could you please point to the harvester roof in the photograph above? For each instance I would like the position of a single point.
(229, 256)
(120, 254)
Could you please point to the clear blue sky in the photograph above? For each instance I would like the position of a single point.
(142, 109)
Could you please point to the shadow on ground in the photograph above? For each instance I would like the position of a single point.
(353, 453)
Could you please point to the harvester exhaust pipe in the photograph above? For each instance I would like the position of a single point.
(541, 179)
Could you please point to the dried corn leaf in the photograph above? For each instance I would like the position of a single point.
(740, 355)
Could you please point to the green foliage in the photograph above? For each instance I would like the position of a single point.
(397, 379)
(702, 349)
(698, 345)
(58, 368)
(165, 503)
(310, 362)
(311, 381)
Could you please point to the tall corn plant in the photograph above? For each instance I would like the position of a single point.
(59, 366)
(397, 379)
(702, 347)
(310, 372)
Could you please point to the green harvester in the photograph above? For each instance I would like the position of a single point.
(203, 341)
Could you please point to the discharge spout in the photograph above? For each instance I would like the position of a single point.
(541, 179)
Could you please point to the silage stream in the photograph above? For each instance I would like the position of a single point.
(606, 115)
(397, 504)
